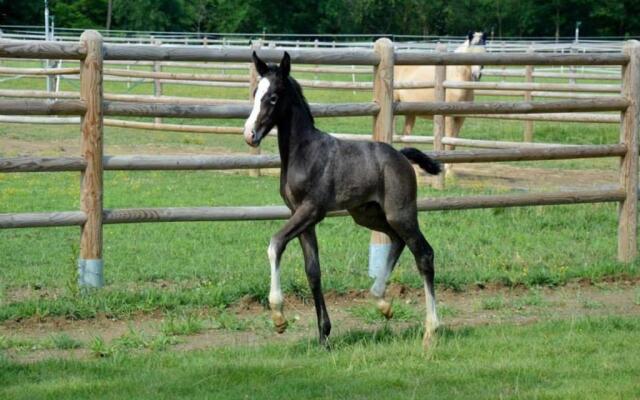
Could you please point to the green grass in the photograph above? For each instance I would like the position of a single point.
(575, 359)
(214, 264)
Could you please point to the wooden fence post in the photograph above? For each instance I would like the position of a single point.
(253, 84)
(380, 244)
(528, 77)
(628, 208)
(90, 264)
(157, 84)
(439, 120)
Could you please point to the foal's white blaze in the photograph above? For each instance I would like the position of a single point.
(263, 87)
(275, 294)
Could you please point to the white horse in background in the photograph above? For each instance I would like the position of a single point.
(475, 43)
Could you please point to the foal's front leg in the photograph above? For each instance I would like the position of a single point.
(309, 245)
(305, 216)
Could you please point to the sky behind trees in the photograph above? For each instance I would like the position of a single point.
(411, 17)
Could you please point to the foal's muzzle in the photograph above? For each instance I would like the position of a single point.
(254, 137)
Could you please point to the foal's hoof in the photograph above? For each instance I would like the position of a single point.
(385, 308)
(429, 338)
(279, 322)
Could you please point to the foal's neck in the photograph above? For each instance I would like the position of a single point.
(294, 131)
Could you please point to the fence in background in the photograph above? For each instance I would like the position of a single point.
(92, 108)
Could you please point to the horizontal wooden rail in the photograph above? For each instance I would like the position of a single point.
(487, 144)
(558, 75)
(423, 58)
(113, 108)
(21, 119)
(42, 219)
(217, 162)
(540, 94)
(41, 50)
(42, 107)
(177, 75)
(38, 71)
(39, 94)
(521, 200)
(463, 108)
(185, 214)
(191, 162)
(564, 117)
(557, 87)
(228, 54)
(529, 154)
(173, 127)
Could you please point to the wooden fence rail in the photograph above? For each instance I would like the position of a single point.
(92, 106)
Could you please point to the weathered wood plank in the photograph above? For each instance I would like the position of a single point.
(41, 50)
(38, 71)
(42, 107)
(519, 200)
(423, 58)
(528, 86)
(91, 146)
(175, 214)
(40, 220)
(228, 54)
(628, 207)
(112, 108)
(190, 162)
(464, 108)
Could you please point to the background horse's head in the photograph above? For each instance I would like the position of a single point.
(475, 43)
(268, 98)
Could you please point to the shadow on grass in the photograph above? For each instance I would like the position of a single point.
(384, 335)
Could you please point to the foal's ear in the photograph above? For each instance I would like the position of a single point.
(261, 67)
(285, 65)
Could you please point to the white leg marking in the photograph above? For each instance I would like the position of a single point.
(275, 294)
(263, 87)
(431, 322)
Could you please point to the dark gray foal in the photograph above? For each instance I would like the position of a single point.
(320, 173)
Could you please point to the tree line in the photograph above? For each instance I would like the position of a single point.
(409, 17)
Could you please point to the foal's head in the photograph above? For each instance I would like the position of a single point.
(269, 99)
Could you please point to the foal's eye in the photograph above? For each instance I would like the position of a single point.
(273, 99)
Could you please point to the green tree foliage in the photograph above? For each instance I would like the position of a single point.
(415, 17)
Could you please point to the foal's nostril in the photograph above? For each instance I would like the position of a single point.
(253, 135)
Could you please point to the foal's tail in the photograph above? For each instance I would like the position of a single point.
(423, 160)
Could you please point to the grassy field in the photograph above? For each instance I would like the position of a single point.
(574, 359)
(190, 268)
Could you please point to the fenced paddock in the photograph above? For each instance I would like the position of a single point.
(93, 108)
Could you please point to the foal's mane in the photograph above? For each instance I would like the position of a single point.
(299, 97)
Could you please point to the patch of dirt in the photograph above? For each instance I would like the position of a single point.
(476, 306)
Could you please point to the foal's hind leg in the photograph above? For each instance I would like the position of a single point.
(380, 284)
(305, 216)
(371, 216)
(406, 225)
(309, 245)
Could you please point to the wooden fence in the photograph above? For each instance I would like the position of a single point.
(92, 108)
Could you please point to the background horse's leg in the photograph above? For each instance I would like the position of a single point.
(304, 217)
(406, 225)
(371, 216)
(409, 122)
(380, 284)
(309, 245)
